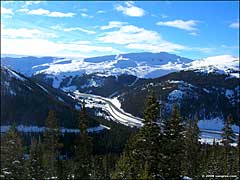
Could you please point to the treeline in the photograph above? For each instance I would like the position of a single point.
(161, 149)
(170, 149)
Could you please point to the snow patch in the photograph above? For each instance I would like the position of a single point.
(175, 95)
(93, 83)
(229, 94)
(60, 99)
(223, 64)
(37, 129)
(15, 75)
(77, 107)
(116, 102)
(69, 88)
(42, 88)
(206, 90)
(215, 124)
(12, 92)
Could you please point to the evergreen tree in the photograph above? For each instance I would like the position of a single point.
(98, 170)
(128, 167)
(238, 157)
(12, 159)
(51, 145)
(204, 160)
(106, 164)
(151, 110)
(214, 160)
(145, 172)
(62, 169)
(192, 149)
(102, 165)
(142, 154)
(173, 146)
(35, 162)
(83, 149)
(228, 137)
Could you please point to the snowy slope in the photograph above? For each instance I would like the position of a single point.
(224, 64)
(24, 101)
(138, 64)
(141, 65)
(215, 124)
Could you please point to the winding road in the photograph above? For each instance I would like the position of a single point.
(122, 117)
(116, 113)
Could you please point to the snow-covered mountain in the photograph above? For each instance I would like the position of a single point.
(147, 65)
(224, 64)
(25, 101)
(138, 64)
(95, 75)
(210, 92)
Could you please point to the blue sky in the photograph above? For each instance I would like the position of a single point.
(190, 29)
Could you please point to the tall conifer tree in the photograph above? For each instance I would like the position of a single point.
(228, 137)
(173, 146)
(12, 160)
(35, 162)
(142, 154)
(192, 149)
(51, 145)
(83, 149)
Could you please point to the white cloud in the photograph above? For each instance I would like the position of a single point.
(59, 27)
(79, 29)
(83, 9)
(189, 25)
(134, 37)
(26, 33)
(234, 25)
(130, 10)
(6, 11)
(193, 33)
(27, 3)
(36, 42)
(23, 10)
(41, 47)
(219, 49)
(100, 12)
(164, 16)
(83, 14)
(201, 49)
(28, 46)
(113, 24)
(39, 12)
(46, 12)
(60, 14)
(81, 42)
(162, 47)
(130, 34)
(86, 15)
(87, 48)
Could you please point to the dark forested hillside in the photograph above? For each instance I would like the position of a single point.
(208, 95)
(24, 101)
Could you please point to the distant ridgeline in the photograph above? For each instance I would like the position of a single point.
(207, 87)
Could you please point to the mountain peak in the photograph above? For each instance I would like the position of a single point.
(143, 65)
